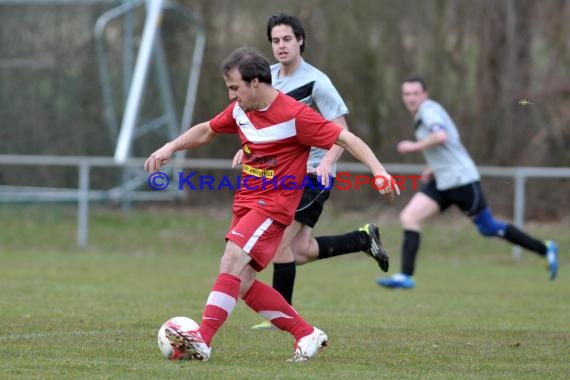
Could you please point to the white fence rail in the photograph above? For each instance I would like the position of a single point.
(83, 194)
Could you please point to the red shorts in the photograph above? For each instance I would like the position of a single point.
(257, 234)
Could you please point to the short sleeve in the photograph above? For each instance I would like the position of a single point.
(432, 119)
(328, 100)
(224, 122)
(314, 130)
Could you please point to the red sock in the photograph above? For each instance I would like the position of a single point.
(271, 305)
(221, 302)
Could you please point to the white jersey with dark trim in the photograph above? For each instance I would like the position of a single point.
(451, 163)
(311, 86)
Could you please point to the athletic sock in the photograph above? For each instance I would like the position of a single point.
(268, 303)
(520, 238)
(410, 247)
(284, 279)
(330, 246)
(221, 302)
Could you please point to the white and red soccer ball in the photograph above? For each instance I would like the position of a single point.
(168, 350)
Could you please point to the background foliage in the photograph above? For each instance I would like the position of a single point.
(480, 59)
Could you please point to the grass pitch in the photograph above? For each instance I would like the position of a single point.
(69, 313)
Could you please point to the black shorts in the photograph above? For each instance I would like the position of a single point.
(469, 198)
(312, 202)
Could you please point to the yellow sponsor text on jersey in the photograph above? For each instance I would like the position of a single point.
(268, 173)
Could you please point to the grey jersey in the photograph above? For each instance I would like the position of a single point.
(451, 164)
(311, 86)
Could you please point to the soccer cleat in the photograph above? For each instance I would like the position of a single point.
(308, 346)
(398, 280)
(376, 249)
(265, 325)
(552, 257)
(188, 341)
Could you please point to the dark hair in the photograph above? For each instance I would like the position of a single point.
(250, 63)
(287, 19)
(416, 79)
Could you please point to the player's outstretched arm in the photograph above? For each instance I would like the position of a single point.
(197, 135)
(436, 138)
(361, 151)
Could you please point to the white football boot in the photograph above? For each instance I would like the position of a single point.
(189, 341)
(308, 346)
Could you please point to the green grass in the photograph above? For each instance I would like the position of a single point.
(69, 313)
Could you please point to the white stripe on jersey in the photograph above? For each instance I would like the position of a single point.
(257, 234)
(272, 133)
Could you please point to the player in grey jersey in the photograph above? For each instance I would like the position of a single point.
(452, 179)
(302, 81)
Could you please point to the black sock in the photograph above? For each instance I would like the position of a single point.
(520, 238)
(330, 246)
(410, 248)
(284, 279)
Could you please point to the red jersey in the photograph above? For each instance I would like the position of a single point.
(276, 143)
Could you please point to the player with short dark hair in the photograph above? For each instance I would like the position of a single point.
(452, 179)
(304, 82)
(277, 131)
(291, 21)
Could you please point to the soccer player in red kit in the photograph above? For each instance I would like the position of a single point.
(276, 133)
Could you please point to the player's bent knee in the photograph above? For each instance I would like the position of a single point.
(487, 225)
(409, 221)
(301, 259)
(284, 254)
(404, 217)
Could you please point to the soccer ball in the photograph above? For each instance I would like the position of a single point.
(168, 350)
